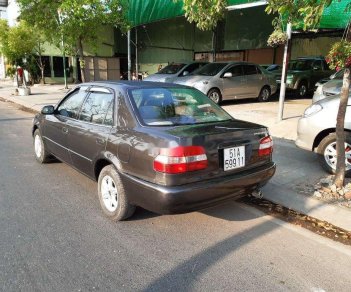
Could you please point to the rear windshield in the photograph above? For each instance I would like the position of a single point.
(171, 69)
(211, 69)
(175, 106)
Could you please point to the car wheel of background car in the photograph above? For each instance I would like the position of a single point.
(40, 152)
(264, 94)
(215, 95)
(112, 196)
(327, 153)
(302, 89)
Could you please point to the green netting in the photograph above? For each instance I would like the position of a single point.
(146, 11)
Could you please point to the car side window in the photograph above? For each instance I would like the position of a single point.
(318, 65)
(72, 103)
(109, 116)
(95, 107)
(236, 70)
(250, 70)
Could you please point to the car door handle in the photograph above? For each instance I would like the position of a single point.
(64, 130)
(100, 141)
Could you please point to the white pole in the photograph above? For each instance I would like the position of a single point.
(284, 73)
(136, 54)
(129, 57)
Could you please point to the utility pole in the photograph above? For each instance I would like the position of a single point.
(129, 57)
(136, 54)
(284, 73)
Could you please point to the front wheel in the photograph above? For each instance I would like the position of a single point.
(264, 94)
(328, 156)
(215, 95)
(41, 154)
(112, 196)
(302, 89)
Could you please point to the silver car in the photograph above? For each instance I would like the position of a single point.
(329, 88)
(174, 70)
(232, 80)
(316, 132)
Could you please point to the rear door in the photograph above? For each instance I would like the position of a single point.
(254, 80)
(234, 87)
(55, 130)
(88, 135)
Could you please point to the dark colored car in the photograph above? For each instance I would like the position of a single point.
(164, 147)
(304, 73)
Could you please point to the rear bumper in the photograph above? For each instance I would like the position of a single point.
(195, 196)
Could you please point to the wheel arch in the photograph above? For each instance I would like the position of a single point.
(324, 134)
(99, 165)
(214, 87)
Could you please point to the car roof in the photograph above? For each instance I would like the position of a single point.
(126, 84)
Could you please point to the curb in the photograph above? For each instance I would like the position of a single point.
(20, 106)
(336, 215)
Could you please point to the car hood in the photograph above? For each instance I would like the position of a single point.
(191, 79)
(160, 77)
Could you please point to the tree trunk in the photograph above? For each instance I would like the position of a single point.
(214, 44)
(81, 58)
(340, 133)
(42, 75)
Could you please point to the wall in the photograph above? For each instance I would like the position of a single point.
(311, 46)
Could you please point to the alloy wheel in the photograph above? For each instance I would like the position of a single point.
(330, 155)
(38, 148)
(215, 96)
(109, 193)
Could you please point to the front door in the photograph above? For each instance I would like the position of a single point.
(55, 130)
(234, 87)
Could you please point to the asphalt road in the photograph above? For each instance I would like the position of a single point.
(53, 237)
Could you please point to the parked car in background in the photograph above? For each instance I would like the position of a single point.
(164, 147)
(231, 80)
(303, 73)
(316, 132)
(168, 73)
(271, 67)
(329, 88)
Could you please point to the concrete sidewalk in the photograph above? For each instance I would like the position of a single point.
(296, 168)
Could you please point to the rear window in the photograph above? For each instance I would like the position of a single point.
(171, 69)
(175, 106)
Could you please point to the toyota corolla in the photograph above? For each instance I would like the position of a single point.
(164, 147)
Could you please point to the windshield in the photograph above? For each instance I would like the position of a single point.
(301, 65)
(171, 69)
(175, 106)
(211, 69)
(339, 74)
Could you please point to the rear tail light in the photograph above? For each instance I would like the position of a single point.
(266, 146)
(181, 159)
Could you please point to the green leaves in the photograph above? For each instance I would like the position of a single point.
(16, 42)
(205, 13)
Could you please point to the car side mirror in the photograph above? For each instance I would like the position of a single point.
(48, 110)
(185, 73)
(227, 75)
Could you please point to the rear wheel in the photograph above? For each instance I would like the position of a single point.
(302, 89)
(215, 95)
(327, 153)
(112, 196)
(265, 94)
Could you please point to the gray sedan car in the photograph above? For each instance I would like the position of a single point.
(330, 88)
(174, 70)
(316, 132)
(164, 147)
(232, 80)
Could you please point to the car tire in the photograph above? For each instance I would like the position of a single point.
(265, 94)
(215, 95)
(112, 196)
(327, 153)
(40, 152)
(302, 89)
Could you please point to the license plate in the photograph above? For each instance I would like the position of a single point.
(234, 158)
